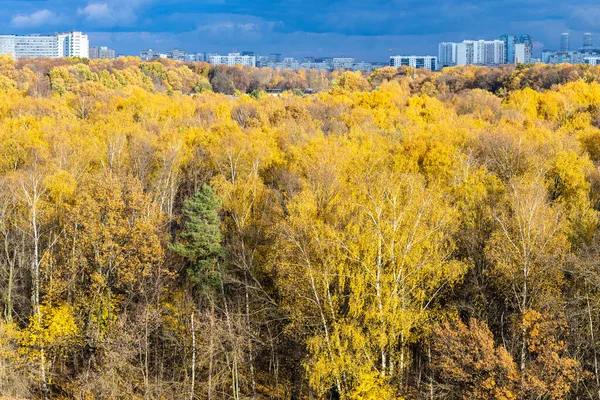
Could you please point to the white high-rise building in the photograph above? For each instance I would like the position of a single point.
(521, 54)
(447, 54)
(480, 52)
(71, 44)
(233, 59)
(427, 62)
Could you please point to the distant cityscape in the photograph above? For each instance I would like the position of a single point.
(507, 49)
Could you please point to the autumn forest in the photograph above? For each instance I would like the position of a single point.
(175, 231)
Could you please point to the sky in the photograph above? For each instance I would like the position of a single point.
(363, 29)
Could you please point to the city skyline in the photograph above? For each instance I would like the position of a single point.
(310, 28)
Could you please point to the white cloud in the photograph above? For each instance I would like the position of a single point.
(96, 12)
(111, 13)
(37, 18)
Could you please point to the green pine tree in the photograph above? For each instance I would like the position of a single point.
(200, 241)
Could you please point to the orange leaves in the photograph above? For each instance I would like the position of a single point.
(550, 370)
(472, 366)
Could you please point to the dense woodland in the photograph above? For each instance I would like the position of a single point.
(170, 231)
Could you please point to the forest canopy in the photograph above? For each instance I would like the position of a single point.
(171, 230)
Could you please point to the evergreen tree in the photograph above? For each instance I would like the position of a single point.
(200, 241)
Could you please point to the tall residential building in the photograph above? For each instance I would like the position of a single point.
(509, 47)
(447, 54)
(481, 52)
(427, 62)
(588, 41)
(275, 57)
(102, 52)
(233, 59)
(527, 43)
(520, 54)
(69, 44)
(565, 42)
(73, 44)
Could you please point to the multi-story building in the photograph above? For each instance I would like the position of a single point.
(427, 62)
(102, 52)
(275, 57)
(565, 42)
(70, 44)
(527, 43)
(588, 41)
(149, 55)
(73, 44)
(510, 41)
(36, 46)
(363, 66)
(447, 54)
(592, 60)
(233, 59)
(480, 52)
(561, 57)
(194, 57)
(176, 54)
(342, 63)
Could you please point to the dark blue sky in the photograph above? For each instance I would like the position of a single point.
(363, 29)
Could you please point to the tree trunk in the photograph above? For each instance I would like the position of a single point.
(193, 358)
(593, 340)
(211, 349)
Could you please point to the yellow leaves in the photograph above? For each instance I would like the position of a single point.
(526, 101)
(59, 323)
(115, 233)
(372, 386)
(567, 178)
(7, 84)
(56, 332)
(351, 81)
(568, 185)
(61, 186)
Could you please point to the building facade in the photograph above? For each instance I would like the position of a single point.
(481, 52)
(342, 63)
(102, 52)
(426, 62)
(527, 43)
(510, 41)
(233, 59)
(447, 54)
(69, 44)
(149, 55)
(73, 44)
(588, 41)
(176, 54)
(565, 42)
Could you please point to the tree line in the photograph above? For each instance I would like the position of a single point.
(397, 235)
